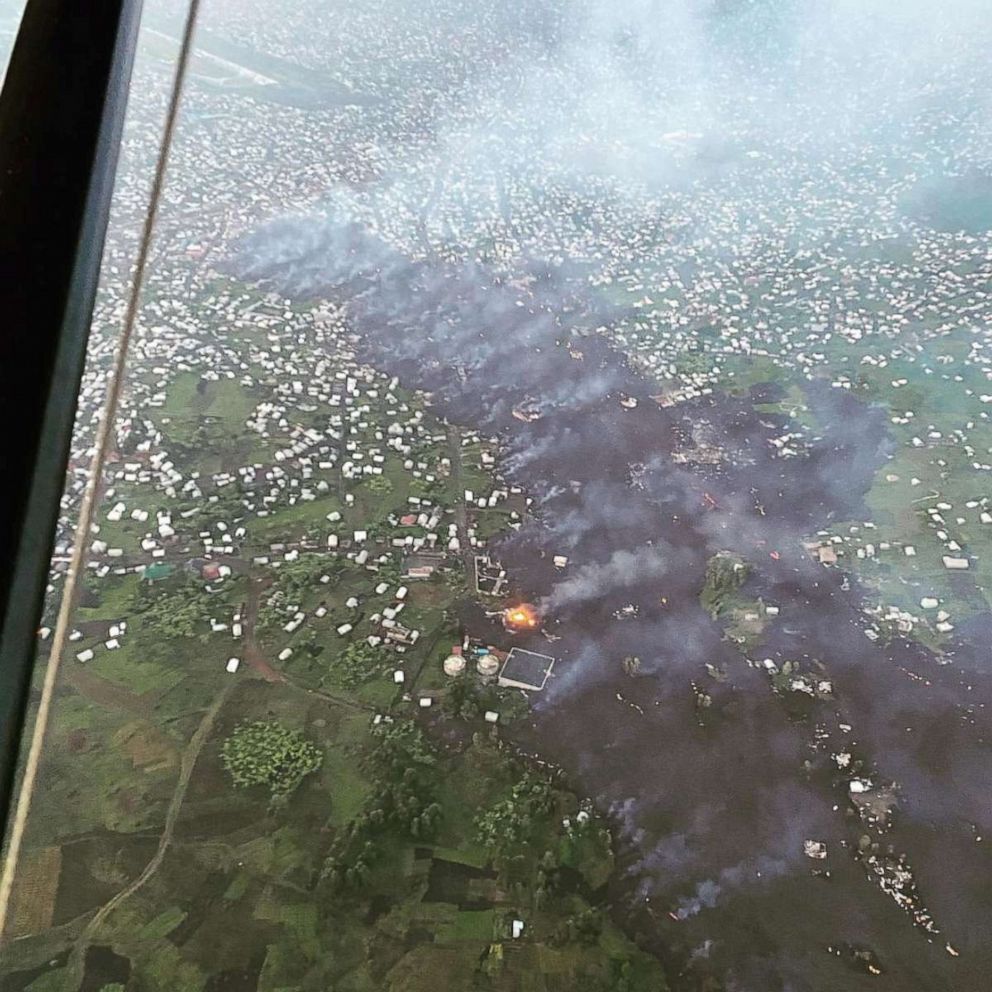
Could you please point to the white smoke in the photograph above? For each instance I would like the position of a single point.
(622, 570)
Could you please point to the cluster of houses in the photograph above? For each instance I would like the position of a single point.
(860, 547)
(327, 427)
(831, 290)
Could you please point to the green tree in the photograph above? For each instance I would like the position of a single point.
(462, 699)
(725, 574)
(379, 485)
(510, 823)
(584, 927)
(182, 610)
(456, 580)
(402, 767)
(268, 753)
(307, 641)
(400, 746)
(359, 663)
(297, 578)
(390, 571)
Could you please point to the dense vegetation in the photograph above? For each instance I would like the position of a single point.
(510, 823)
(725, 574)
(180, 609)
(359, 663)
(267, 753)
(403, 798)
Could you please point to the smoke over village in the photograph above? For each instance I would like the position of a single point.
(547, 536)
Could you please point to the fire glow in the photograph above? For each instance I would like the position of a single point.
(521, 617)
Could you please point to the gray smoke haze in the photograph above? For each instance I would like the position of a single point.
(623, 569)
(636, 97)
(709, 892)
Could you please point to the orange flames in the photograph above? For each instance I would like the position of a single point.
(521, 617)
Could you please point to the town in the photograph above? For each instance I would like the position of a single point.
(547, 541)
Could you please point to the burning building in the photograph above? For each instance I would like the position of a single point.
(521, 617)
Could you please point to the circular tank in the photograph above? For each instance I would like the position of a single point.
(487, 665)
(454, 665)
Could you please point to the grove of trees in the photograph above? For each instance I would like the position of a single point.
(175, 610)
(725, 574)
(402, 766)
(510, 823)
(359, 663)
(270, 754)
